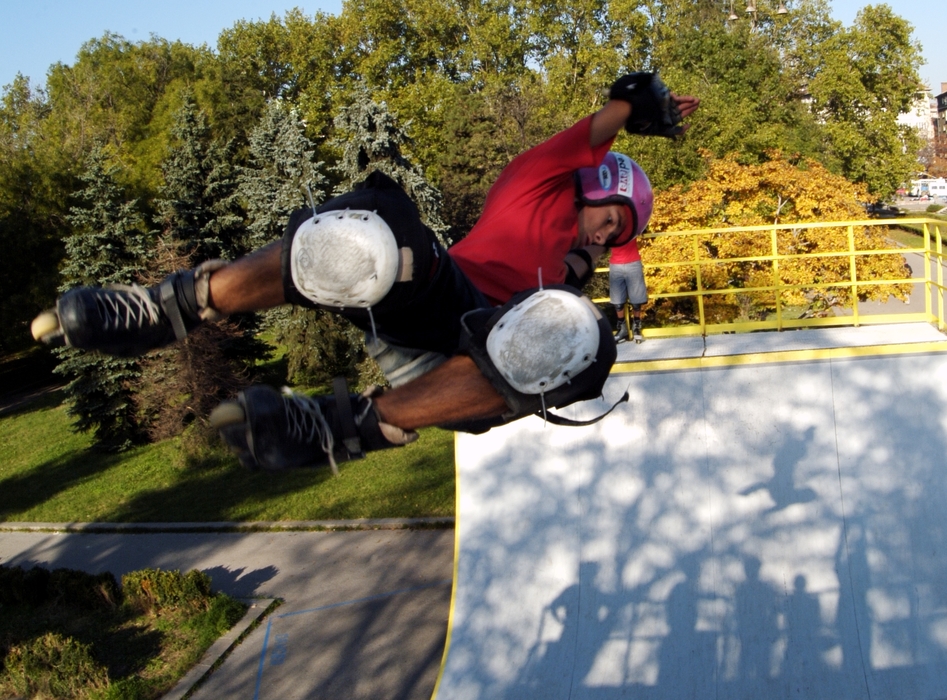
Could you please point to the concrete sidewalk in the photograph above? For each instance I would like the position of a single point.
(364, 612)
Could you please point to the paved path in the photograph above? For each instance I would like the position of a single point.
(364, 612)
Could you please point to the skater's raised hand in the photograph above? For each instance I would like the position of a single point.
(655, 110)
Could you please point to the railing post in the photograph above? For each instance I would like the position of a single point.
(941, 321)
(853, 273)
(928, 287)
(700, 287)
(776, 281)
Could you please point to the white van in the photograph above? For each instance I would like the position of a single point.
(929, 187)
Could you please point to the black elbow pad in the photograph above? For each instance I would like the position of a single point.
(572, 279)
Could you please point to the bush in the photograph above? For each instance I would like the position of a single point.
(131, 688)
(54, 666)
(62, 633)
(934, 208)
(222, 614)
(150, 590)
(23, 587)
(77, 589)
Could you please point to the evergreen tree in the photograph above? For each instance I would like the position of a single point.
(282, 175)
(104, 248)
(199, 203)
(371, 140)
(222, 188)
(200, 220)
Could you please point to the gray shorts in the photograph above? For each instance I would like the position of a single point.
(401, 365)
(626, 283)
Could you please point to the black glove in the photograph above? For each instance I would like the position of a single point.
(653, 112)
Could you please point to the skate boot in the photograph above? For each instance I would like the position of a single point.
(129, 320)
(621, 331)
(636, 330)
(273, 431)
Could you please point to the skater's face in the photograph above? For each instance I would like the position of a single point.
(599, 224)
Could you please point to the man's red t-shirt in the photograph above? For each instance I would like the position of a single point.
(627, 253)
(529, 220)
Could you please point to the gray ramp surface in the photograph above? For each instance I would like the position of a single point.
(754, 531)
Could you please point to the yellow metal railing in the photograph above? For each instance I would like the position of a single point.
(931, 278)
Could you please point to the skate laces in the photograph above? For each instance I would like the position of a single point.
(126, 305)
(305, 421)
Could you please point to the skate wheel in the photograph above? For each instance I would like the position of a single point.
(226, 414)
(47, 323)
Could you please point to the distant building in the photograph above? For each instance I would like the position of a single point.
(940, 124)
(921, 116)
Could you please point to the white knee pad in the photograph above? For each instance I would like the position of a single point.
(545, 341)
(545, 348)
(345, 258)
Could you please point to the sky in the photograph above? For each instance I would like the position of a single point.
(35, 34)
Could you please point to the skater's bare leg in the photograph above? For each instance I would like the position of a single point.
(130, 320)
(453, 392)
(621, 327)
(272, 431)
(251, 283)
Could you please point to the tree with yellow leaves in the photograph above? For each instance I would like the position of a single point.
(778, 191)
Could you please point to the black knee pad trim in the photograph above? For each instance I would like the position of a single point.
(290, 292)
(586, 385)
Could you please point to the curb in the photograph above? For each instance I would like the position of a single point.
(262, 526)
(220, 649)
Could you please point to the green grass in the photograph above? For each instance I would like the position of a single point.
(906, 236)
(912, 235)
(50, 474)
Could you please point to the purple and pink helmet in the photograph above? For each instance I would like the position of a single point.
(618, 180)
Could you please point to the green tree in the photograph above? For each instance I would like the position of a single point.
(482, 132)
(125, 94)
(283, 175)
(105, 247)
(370, 139)
(867, 77)
(199, 204)
(30, 215)
(751, 98)
(294, 58)
(199, 220)
(583, 45)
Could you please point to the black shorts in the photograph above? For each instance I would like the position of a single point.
(422, 313)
